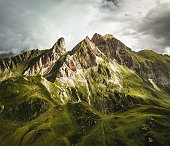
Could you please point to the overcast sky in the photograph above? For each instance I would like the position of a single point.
(31, 24)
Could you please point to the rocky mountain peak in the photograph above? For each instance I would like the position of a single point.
(59, 46)
(46, 61)
(108, 36)
(111, 47)
(99, 37)
(87, 38)
(84, 55)
(145, 63)
(96, 35)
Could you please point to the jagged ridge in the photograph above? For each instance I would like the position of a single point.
(146, 63)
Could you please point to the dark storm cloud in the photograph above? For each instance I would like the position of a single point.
(153, 30)
(157, 24)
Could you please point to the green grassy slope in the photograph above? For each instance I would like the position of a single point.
(79, 124)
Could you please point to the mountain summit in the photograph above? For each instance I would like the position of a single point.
(99, 93)
(43, 63)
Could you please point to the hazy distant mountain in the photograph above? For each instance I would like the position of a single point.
(99, 93)
(5, 55)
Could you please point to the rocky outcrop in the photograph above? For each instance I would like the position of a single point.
(113, 49)
(14, 66)
(147, 68)
(32, 62)
(43, 63)
(83, 56)
(11, 63)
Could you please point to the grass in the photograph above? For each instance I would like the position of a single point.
(80, 124)
(16, 90)
(157, 61)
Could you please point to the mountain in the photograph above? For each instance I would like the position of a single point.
(5, 55)
(146, 63)
(99, 93)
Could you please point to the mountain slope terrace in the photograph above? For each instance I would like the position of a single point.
(99, 93)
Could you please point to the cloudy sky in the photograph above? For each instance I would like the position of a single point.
(31, 24)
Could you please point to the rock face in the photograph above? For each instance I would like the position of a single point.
(12, 66)
(32, 62)
(43, 63)
(113, 49)
(146, 67)
(11, 63)
(83, 56)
